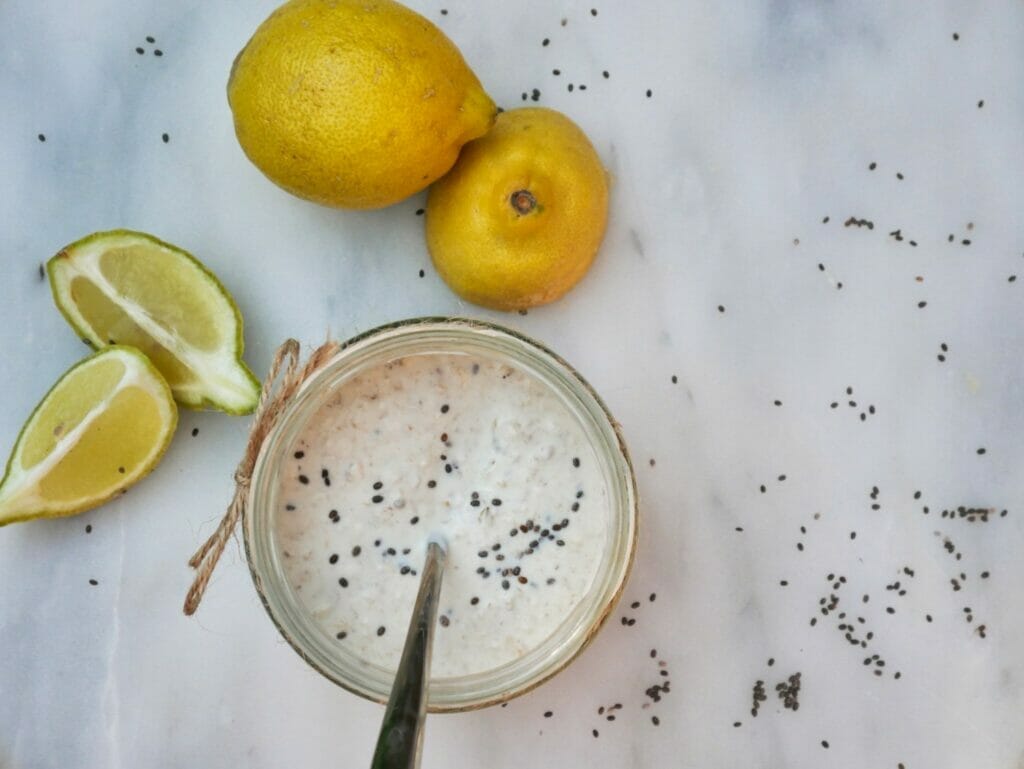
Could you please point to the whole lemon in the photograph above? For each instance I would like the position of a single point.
(518, 220)
(354, 103)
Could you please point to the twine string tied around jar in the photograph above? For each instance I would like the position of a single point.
(274, 398)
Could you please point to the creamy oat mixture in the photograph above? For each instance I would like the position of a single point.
(458, 446)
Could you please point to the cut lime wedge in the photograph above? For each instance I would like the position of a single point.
(102, 427)
(123, 287)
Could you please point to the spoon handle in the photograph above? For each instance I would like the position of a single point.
(401, 733)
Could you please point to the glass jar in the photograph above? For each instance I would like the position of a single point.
(449, 336)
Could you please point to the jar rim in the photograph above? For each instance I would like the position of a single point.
(551, 656)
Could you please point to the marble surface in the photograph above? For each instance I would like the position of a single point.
(719, 269)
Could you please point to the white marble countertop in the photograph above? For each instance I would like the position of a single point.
(727, 265)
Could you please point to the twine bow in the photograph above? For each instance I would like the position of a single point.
(272, 402)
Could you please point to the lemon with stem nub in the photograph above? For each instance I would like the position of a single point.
(102, 427)
(519, 219)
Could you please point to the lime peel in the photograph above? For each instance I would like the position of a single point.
(21, 489)
(199, 378)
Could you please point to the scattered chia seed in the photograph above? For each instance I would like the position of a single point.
(789, 692)
(757, 697)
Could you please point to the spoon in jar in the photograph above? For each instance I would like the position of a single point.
(401, 733)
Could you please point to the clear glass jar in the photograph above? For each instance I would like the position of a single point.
(451, 336)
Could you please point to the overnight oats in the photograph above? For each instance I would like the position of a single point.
(463, 448)
(463, 433)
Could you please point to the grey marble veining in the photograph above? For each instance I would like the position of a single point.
(763, 120)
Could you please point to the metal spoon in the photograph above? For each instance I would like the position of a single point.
(401, 733)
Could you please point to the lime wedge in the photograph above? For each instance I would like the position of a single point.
(129, 288)
(102, 427)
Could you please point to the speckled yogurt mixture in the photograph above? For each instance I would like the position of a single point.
(461, 446)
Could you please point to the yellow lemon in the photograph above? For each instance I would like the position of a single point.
(519, 219)
(354, 103)
(102, 427)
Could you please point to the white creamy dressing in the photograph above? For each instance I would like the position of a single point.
(460, 446)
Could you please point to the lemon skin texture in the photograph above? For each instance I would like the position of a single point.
(519, 219)
(354, 104)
